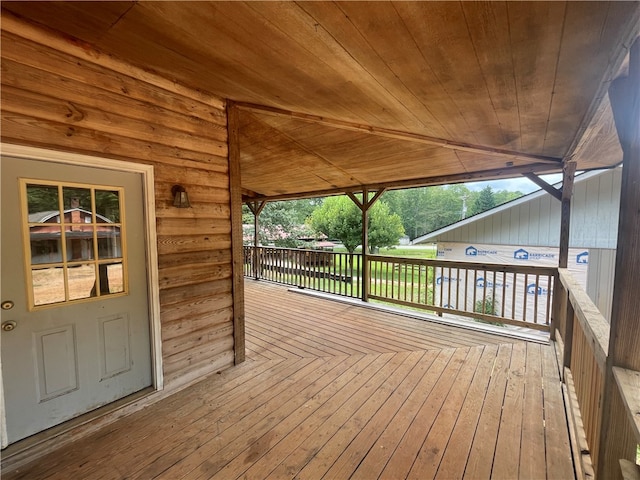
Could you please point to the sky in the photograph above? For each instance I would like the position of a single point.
(521, 184)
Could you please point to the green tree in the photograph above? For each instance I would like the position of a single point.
(412, 205)
(504, 196)
(425, 209)
(340, 218)
(485, 201)
(282, 223)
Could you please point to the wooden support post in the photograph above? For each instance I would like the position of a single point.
(366, 271)
(237, 251)
(364, 207)
(256, 208)
(616, 441)
(568, 174)
(256, 243)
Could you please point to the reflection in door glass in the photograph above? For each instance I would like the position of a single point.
(109, 245)
(115, 274)
(45, 244)
(107, 206)
(83, 246)
(48, 285)
(42, 203)
(79, 243)
(82, 281)
(77, 205)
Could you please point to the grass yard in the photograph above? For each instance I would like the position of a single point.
(421, 251)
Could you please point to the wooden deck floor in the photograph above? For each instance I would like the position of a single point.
(337, 391)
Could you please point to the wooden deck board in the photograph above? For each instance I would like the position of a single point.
(558, 450)
(533, 409)
(506, 464)
(338, 391)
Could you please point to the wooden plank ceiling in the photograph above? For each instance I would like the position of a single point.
(337, 96)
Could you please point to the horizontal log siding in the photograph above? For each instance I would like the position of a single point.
(84, 103)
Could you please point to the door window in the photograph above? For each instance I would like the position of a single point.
(75, 249)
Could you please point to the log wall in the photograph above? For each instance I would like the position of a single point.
(63, 96)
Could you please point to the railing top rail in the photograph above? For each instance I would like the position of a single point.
(497, 267)
(593, 324)
(314, 250)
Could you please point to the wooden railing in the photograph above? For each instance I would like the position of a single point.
(324, 271)
(583, 337)
(500, 294)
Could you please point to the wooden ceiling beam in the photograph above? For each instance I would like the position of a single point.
(399, 135)
(556, 193)
(256, 206)
(507, 172)
(367, 203)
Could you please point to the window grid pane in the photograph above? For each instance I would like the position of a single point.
(77, 254)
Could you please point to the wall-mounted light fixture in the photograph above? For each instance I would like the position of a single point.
(180, 197)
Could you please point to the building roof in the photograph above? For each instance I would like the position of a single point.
(43, 217)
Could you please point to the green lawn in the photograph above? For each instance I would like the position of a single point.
(426, 251)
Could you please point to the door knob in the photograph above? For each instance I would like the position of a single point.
(9, 326)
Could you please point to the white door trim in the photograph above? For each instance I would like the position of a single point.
(151, 245)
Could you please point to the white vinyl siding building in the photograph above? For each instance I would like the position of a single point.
(534, 221)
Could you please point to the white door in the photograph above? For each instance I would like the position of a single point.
(75, 317)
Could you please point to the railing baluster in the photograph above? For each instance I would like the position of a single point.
(504, 289)
(448, 288)
(458, 288)
(434, 275)
(466, 289)
(413, 277)
(406, 271)
(418, 287)
(475, 289)
(550, 283)
(493, 295)
(332, 285)
(351, 265)
(536, 299)
(484, 292)
(526, 292)
(393, 279)
(342, 274)
(386, 279)
(513, 298)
